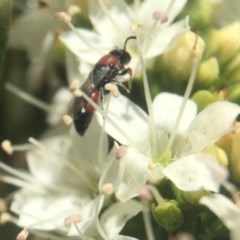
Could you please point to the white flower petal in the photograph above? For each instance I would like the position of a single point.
(165, 37)
(226, 210)
(170, 8)
(133, 174)
(59, 105)
(121, 237)
(44, 212)
(116, 20)
(191, 173)
(212, 123)
(166, 108)
(131, 121)
(116, 216)
(87, 51)
(89, 214)
(41, 161)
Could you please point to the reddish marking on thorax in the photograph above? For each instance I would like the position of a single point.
(109, 59)
(95, 97)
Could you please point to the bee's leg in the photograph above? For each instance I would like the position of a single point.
(102, 90)
(129, 72)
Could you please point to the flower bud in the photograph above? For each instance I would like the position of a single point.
(235, 153)
(218, 153)
(234, 92)
(225, 42)
(168, 215)
(180, 56)
(208, 72)
(203, 98)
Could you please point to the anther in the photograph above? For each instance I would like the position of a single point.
(160, 16)
(73, 10)
(63, 16)
(145, 194)
(73, 219)
(121, 151)
(67, 120)
(5, 218)
(22, 235)
(107, 189)
(7, 147)
(74, 88)
(135, 26)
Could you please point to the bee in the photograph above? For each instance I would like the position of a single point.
(106, 70)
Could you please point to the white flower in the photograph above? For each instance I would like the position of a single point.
(155, 143)
(226, 210)
(64, 173)
(114, 21)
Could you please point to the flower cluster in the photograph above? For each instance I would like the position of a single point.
(165, 166)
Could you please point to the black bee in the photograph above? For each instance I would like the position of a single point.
(105, 71)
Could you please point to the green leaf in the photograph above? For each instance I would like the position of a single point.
(5, 19)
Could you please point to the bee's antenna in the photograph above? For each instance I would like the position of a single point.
(125, 43)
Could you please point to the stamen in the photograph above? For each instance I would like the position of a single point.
(148, 98)
(18, 174)
(112, 88)
(74, 85)
(101, 148)
(73, 219)
(28, 98)
(155, 194)
(107, 189)
(67, 120)
(187, 93)
(121, 151)
(63, 16)
(9, 148)
(22, 235)
(147, 220)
